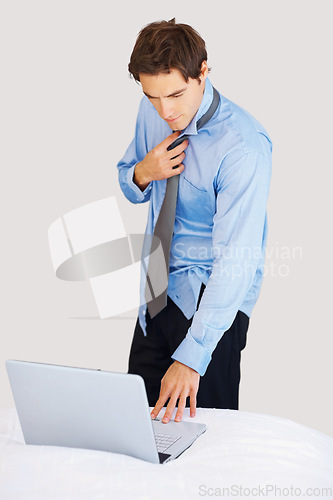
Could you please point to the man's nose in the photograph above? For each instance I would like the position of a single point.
(166, 109)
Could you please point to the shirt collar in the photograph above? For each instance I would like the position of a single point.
(207, 99)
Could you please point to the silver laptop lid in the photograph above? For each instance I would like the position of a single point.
(83, 408)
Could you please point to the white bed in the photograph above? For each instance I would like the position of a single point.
(249, 454)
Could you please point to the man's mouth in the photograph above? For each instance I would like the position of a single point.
(173, 119)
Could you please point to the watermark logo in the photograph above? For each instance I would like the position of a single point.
(235, 262)
(266, 490)
(90, 243)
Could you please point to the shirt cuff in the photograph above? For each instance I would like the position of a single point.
(192, 354)
(140, 195)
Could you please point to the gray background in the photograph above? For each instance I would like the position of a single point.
(68, 111)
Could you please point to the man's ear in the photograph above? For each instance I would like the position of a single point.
(204, 72)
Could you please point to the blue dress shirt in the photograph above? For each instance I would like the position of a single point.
(220, 228)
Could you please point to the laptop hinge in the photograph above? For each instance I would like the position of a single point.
(163, 457)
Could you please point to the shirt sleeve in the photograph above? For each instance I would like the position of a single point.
(135, 153)
(242, 188)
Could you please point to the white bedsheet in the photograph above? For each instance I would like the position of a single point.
(251, 455)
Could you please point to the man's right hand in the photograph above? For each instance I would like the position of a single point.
(159, 162)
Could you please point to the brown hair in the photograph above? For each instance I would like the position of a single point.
(166, 45)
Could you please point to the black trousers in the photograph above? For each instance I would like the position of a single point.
(150, 357)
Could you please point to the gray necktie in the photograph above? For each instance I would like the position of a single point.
(165, 224)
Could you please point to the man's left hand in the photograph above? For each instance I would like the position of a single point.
(178, 382)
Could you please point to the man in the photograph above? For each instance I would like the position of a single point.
(191, 348)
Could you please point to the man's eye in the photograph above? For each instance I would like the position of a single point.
(178, 95)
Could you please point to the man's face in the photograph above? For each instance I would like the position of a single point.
(175, 100)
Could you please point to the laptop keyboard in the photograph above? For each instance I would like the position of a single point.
(164, 441)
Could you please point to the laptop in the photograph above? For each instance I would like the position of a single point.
(93, 409)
